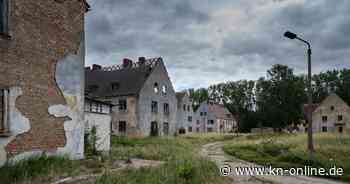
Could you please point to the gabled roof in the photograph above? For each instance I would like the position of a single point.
(127, 81)
(180, 95)
(220, 111)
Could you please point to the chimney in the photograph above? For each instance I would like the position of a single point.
(142, 61)
(127, 63)
(96, 67)
(87, 68)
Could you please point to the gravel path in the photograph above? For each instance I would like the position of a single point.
(215, 153)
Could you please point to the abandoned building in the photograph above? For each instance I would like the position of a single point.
(142, 94)
(41, 78)
(331, 115)
(98, 116)
(214, 117)
(185, 114)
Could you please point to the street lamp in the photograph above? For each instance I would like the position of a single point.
(292, 36)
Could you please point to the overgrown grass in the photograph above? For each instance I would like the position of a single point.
(282, 150)
(183, 164)
(39, 167)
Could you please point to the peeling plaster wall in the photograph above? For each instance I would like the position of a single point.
(22, 123)
(102, 122)
(70, 79)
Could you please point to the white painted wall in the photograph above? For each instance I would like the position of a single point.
(103, 128)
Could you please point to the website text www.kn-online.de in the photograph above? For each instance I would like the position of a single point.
(227, 170)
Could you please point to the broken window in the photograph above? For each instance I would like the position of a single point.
(210, 122)
(190, 129)
(156, 88)
(164, 90)
(4, 16)
(332, 108)
(166, 108)
(324, 129)
(188, 108)
(122, 105)
(154, 107)
(184, 107)
(122, 127)
(4, 128)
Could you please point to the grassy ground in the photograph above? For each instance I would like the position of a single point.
(183, 164)
(290, 151)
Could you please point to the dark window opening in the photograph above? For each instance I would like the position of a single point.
(210, 122)
(189, 118)
(4, 16)
(324, 129)
(332, 108)
(188, 108)
(166, 109)
(340, 129)
(184, 107)
(340, 118)
(164, 90)
(115, 86)
(190, 129)
(154, 107)
(122, 105)
(122, 127)
(324, 118)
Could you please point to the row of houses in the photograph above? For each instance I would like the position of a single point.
(49, 100)
(144, 102)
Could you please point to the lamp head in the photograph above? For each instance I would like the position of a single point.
(290, 35)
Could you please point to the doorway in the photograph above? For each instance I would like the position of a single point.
(154, 128)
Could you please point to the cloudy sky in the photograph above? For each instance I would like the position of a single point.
(205, 42)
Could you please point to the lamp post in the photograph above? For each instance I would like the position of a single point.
(292, 36)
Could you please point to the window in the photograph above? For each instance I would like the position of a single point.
(189, 118)
(166, 108)
(122, 127)
(210, 122)
(156, 88)
(184, 107)
(324, 118)
(340, 118)
(115, 86)
(166, 128)
(122, 105)
(4, 16)
(188, 108)
(332, 108)
(324, 129)
(205, 113)
(190, 129)
(340, 129)
(198, 122)
(201, 113)
(3, 110)
(154, 107)
(164, 90)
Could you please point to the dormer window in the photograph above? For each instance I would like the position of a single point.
(156, 87)
(115, 86)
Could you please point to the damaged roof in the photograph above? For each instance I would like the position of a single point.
(119, 82)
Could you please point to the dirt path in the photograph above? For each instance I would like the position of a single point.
(215, 153)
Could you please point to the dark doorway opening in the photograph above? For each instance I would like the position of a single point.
(154, 128)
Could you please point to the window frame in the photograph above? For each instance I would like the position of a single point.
(154, 107)
(5, 127)
(166, 108)
(4, 16)
(122, 126)
(122, 105)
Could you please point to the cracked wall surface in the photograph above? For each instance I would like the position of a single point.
(47, 39)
